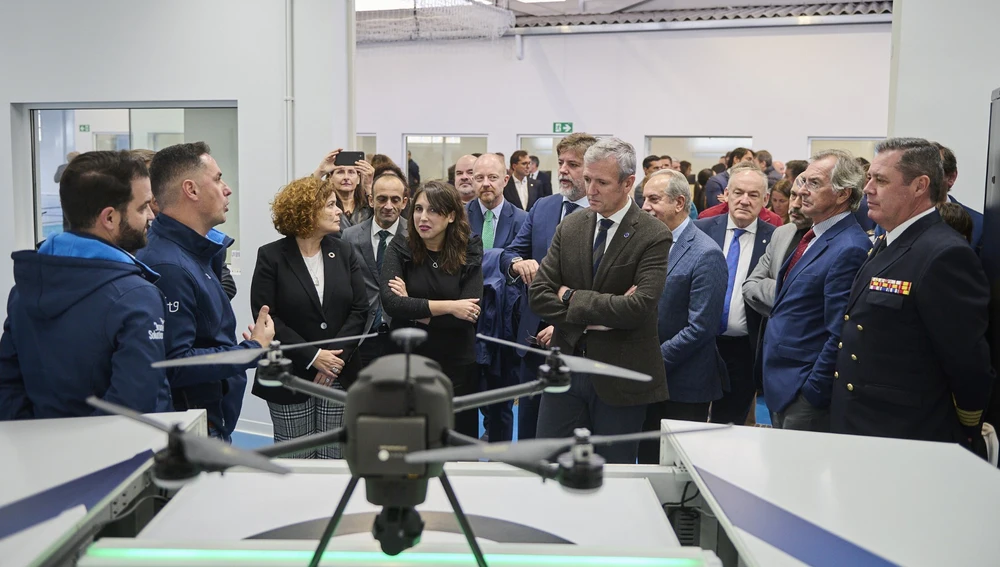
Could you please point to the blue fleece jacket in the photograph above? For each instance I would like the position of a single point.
(200, 320)
(83, 319)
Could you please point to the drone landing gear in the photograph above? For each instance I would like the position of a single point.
(463, 522)
(398, 529)
(332, 526)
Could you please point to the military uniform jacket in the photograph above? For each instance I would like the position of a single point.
(913, 362)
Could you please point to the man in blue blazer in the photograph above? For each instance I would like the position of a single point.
(690, 309)
(496, 222)
(521, 258)
(812, 290)
(743, 239)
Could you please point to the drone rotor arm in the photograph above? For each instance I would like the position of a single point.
(296, 384)
(479, 399)
(307, 443)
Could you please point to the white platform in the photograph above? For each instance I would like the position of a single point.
(912, 503)
(40, 454)
(242, 504)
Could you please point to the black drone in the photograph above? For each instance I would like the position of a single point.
(398, 433)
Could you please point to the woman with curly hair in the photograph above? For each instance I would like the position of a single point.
(433, 280)
(314, 286)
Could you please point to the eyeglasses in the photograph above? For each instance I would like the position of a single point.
(493, 178)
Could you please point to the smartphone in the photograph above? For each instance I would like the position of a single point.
(349, 158)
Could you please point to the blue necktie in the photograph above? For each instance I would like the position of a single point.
(732, 262)
(569, 207)
(602, 237)
(379, 258)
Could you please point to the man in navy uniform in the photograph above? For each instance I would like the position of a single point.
(913, 361)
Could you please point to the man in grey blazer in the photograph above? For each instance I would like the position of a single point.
(369, 239)
(599, 286)
(690, 308)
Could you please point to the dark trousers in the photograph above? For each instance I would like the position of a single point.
(464, 380)
(374, 347)
(735, 404)
(527, 407)
(560, 414)
(802, 415)
(498, 419)
(649, 451)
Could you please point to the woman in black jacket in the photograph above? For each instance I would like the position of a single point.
(434, 280)
(315, 288)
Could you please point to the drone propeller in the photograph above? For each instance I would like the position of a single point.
(534, 450)
(577, 363)
(246, 356)
(205, 452)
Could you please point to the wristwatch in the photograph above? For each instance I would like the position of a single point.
(567, 294)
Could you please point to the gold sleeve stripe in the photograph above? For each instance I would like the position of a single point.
(967, 418)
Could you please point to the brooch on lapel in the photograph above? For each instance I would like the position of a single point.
(332, 255)
(890, 286)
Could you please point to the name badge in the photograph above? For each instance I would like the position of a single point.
(890, 286)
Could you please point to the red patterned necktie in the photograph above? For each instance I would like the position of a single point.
(799, 251)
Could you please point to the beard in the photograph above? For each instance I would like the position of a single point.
(130, 239)
(574, 193)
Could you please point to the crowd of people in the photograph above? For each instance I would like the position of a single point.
(848, 294)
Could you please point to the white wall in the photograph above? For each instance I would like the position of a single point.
(946, 66)
(790, 84)
(125, 52)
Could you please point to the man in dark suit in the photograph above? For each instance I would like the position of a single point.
(496, 222)
(689, 311)
(800, 341)
(370, 240)
(743, 239)
(522, 191)
(950, 166)
(542, 178)
(599, 285)
(521, 258)
(913, 362)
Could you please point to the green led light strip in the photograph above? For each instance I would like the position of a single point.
(129, 555)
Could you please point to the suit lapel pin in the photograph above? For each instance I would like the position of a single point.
(332, 255)
(626, 235)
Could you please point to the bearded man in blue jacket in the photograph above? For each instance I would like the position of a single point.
(84, 318)
(187, 251)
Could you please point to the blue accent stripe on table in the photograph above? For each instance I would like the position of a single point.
(87, 490)
(792, 534)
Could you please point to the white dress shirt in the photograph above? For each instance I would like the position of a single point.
(522, 190)
(737, 326)
(617, 218)
(899, 230)
(823, 226)
(582, 202)
(376, 229)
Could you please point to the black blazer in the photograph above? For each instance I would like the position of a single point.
(282, 282)
(534, 193)
(544, 182)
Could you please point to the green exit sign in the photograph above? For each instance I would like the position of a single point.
(85, 127)
(562, 127)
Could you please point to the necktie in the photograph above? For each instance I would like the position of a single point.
(379, 257)
(489, 231)
(569, 207)
(799, 251)
(602, 237)
(733, 263)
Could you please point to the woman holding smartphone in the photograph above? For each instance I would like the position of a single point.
(351, 178)
(315, 288)
(433, 280)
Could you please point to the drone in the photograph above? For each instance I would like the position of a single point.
(398, 433)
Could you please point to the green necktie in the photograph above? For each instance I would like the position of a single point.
(488, 230)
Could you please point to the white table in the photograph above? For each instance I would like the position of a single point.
(40, 454)
(239, 505)
(906, 502)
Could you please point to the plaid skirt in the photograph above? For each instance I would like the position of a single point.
(313, 416)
